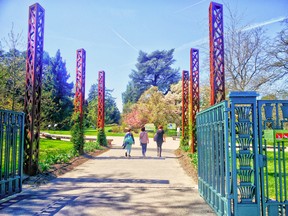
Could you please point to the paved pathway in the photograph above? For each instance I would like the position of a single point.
(112, 184)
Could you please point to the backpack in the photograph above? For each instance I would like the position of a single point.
(155, 137)
(129, 140)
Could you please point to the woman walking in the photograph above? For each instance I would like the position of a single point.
(144, 140)
(160, 138)
(128, 141)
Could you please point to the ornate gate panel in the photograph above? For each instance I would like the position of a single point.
(242, 166)
(273, 130)
(11, 152)
(214, 161)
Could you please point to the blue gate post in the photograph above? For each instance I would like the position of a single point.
(245, 156)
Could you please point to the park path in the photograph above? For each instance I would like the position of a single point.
(111, 184)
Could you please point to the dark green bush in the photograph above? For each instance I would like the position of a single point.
(91, 146)
(194, 159)
(101, 137)
(77, 134)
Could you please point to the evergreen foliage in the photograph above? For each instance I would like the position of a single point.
(57, 93)
(101, 137)
(153, 69)
(112, 113)
(77, 134)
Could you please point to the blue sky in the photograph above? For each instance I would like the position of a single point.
(113, 31)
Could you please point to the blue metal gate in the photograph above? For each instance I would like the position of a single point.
(238, 152)
(11, 152)
(273, 126)
(214, 160)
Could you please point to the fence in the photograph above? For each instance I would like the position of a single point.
(242, 165)
(11, 152)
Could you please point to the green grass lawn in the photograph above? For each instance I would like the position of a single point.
(87, 132)
(59, 151)
(93, 132)
(274, 177)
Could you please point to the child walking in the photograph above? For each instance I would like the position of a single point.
(129, 140)
(144, 140)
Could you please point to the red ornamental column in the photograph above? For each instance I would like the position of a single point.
(194, 94)
(101, 100)
(80, 82)
(217, 79)
(32, 99)
(185, 105)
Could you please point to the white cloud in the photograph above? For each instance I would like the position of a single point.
(205, 40)
(190, 6)
(193, 44)
(123, 39)
(268, 22)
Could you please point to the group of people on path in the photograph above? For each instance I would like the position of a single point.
(129, 140)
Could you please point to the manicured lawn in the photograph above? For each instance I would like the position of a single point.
(49, 146)
(274, 178)
(59, 151)
(87, 132)
(92, 132)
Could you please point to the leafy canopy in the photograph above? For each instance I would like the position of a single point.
(154, 69)
(112, 113)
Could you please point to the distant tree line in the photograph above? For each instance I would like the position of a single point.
(57, 92)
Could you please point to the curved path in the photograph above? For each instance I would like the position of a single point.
(111, 184)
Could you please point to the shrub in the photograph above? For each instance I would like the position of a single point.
(116, 129)
(194, 158)
(185, 148)
(91, 146)
(184, 141)
(101, 137)
(77, 134)
(55, 157)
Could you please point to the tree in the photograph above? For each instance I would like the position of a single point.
(112, 113)
(155, 107)
(152, 70)
(280, 52)
(57, 93)
(48, 104)
(279, 61)
(246, 56)
(12, 78)
(173, 101)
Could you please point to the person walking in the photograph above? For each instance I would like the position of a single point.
(160, 138)
(128, 141)
(144, 140)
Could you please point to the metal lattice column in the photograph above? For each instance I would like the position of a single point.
(217, 79)
(101, 100)
(80, 82)
(194, 94)
(185, 105)
(33, 88)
